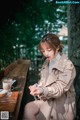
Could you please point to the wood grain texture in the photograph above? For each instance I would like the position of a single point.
(17, 70)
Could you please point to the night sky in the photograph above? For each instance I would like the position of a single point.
(8, 9)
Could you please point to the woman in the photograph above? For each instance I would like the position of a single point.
(55, 90)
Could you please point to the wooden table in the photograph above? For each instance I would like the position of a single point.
(17, 70)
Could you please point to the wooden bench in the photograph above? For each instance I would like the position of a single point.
(17, 70)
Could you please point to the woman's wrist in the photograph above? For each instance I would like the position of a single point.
(42, 90)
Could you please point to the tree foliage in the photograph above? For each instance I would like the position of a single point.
(24, 30)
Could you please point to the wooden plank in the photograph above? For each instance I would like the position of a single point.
(10, 68)
(17, 70)
(8, 103)
(20, 69)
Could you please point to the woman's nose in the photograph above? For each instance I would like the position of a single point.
(46, 53)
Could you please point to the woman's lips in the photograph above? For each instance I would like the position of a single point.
(48, 57)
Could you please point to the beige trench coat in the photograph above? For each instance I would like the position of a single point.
(59, 94)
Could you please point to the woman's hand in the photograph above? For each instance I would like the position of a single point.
(35, 91)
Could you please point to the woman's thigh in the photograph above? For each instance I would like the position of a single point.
(33, 108)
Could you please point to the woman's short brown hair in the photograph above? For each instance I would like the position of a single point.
(53, 41)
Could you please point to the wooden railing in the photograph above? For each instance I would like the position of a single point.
(17, 70)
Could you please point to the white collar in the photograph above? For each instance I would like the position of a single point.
(53, 62)
(56, 58)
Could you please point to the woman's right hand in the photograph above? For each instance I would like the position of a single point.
(35, 90)
(32, 88)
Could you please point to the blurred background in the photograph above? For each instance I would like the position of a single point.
(22, 25)
(24, 22)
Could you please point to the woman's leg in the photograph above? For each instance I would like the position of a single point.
(31, 110)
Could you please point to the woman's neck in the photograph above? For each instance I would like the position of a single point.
(57, 57)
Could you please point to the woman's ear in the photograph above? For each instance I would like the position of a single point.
(57, 48)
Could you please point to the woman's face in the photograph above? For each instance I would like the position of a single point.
(47, 51)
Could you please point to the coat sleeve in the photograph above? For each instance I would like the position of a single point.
(62, 84)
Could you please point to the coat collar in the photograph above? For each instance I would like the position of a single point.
(60, 64)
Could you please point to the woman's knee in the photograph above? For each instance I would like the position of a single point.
(27, 109)
(30, 110)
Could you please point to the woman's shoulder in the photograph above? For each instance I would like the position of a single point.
(66, 61)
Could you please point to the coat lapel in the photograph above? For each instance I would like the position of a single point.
(45, 71)
(51, 78)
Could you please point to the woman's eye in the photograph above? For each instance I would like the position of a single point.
(42, 51)
(49, 49)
